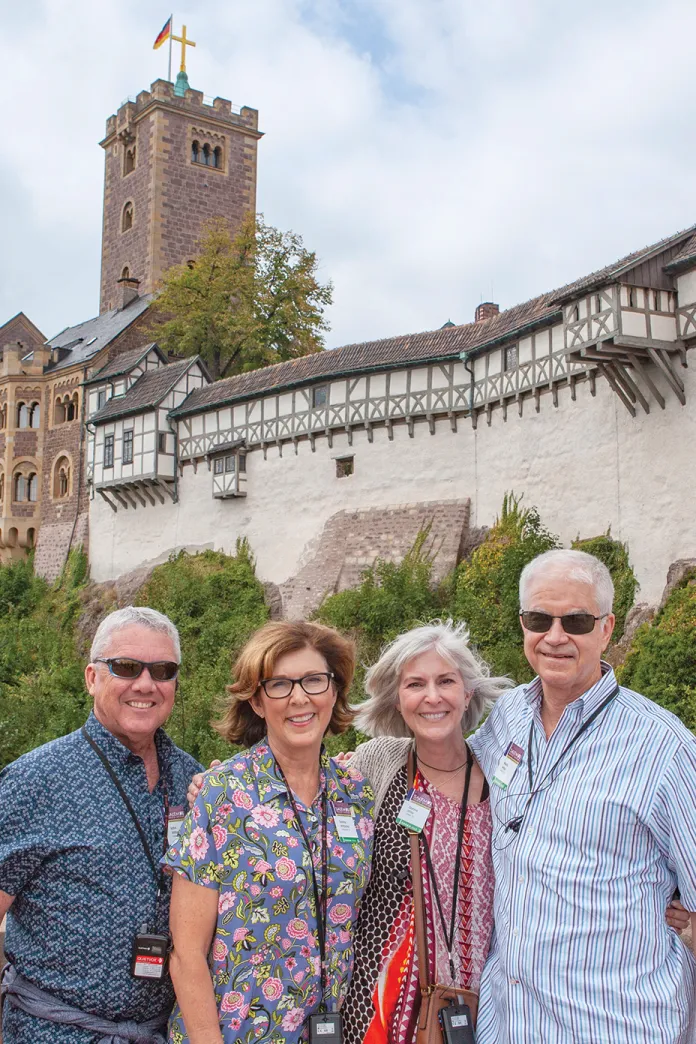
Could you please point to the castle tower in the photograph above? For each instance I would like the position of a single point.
(172, 163)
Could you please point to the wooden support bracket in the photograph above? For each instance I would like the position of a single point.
(108, 500)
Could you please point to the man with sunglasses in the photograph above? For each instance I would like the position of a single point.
(84, 821)
(593, 798)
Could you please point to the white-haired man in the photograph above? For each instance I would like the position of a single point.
(84, 821)
(593, 791)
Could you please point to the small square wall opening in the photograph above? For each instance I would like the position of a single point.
(345, 466)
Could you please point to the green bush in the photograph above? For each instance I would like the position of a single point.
(485, 588)
(614, 554)
(661, 663)
(216, 601)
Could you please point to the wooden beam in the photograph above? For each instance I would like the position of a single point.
(170, 492)
(651, 344)
(664, 365)
(630, 385)
(145, 490)
(640, 368)
(618, 390)
(108, 501)
(135, 492)
(158, 493)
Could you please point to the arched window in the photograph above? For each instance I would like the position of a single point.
(195, 151)
(2, 487)
(3, 415)
(61, 478)
(206, 155)
(127, 217)
(20, 488)
(31, 537)
(129, 160)
(125, 274)
(33, 487)
(35, 415)
(217, 157)
(12, 537)
(22, 415)
(59, 411)
(70, 409)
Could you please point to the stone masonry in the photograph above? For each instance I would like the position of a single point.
(352, 540)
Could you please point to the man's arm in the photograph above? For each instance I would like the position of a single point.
(6, 902)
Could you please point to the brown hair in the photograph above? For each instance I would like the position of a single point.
(239, 722)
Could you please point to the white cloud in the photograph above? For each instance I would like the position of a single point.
(432, 153)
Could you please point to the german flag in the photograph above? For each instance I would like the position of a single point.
(164, 34)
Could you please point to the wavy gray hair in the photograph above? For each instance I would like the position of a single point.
(570, 565)
(133, 616)
(379, 714)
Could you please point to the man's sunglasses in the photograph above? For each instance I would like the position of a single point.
(125, 667)
(572, 623)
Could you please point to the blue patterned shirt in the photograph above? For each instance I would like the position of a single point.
(582, 952)
(242, 839)
(70, 854)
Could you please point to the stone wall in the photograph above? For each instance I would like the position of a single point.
(352, 540)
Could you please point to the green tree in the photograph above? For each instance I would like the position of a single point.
(247, 300)
(485, 589)
(614, 554)
(216, 601)
(661, 663)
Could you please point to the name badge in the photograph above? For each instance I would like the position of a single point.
(174, 824)
(415, 810)
(508, 765)
(344, 822)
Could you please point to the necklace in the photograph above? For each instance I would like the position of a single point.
(436, 768)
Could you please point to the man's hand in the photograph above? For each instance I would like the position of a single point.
(6, 902)
(196, 784)
(677, 916)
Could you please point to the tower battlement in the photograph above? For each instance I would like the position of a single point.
(193, 103)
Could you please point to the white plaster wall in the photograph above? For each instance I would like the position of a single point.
(686, 287)
(586, 465)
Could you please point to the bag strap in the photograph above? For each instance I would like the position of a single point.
(418, 905)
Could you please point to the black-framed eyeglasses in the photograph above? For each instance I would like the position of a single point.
(126, 667)
(572, 623)
(281, 688)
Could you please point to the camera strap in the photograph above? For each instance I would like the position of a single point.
(156, 869)
(320, 898)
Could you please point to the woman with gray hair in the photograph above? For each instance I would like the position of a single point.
(426, 692)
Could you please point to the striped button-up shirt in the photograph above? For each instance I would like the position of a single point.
(582, 953)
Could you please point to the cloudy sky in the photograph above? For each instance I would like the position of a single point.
(435, 153)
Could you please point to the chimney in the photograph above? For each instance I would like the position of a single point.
(486, 310)
(129, 290)
(12, 355)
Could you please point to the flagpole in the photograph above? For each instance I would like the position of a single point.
(171, 33)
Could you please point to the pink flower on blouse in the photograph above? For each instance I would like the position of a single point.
(366, 827)
(255, 890)
(285, 869)
(219, 836)
(240, 934)
(265, 816)
(293, 1019)
(235, 1023)
(262, 867)
(241, 799)
(297, 928)
(276, 892)
(339, 913)
(220, 951)
(198, 843)
(226, 902)
(231, 1001)
(272, 989)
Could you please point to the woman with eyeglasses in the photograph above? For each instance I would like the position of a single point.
(272, 861)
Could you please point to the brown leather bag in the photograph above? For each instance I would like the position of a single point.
(433, 996)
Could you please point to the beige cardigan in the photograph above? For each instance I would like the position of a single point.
(380, 759)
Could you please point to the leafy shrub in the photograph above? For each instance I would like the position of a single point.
(614, 554)
(661, 663)
(216, 601)
(485, 589)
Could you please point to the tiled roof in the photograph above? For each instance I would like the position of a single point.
(124, 363)
(145, 394)
(447, 342)
(87, 339)
(685, 256)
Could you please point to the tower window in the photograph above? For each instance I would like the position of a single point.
(206, 155)
(2, 487)
(61, 478)
(23, 417)
(108, 451)
(35, 415)
(20, 489)
(129, 160)
(125, 274)
(217, 157)
(127, 217)
(3, 416)
(195, 150)
(33, 487)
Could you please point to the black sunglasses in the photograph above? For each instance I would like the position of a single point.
(572, 623)
(125, 667)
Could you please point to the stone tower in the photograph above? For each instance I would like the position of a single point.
(172, 162)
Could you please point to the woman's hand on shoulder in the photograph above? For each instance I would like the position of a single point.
(343, 758)
(196, 783)
(678, 917)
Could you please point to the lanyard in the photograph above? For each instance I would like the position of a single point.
(156, 870)
(449, 936)
(516, 823)
(320, 900)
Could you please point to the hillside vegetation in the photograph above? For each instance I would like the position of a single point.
(217, 601)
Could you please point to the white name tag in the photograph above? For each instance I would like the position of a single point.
(174, 824)
(507, 766)
(344, 822)
(415, 810)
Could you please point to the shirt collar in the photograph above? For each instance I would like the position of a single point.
(586, 704)
(117, 752)
(269, 779)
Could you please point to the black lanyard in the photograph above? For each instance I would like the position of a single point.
(156, 869)
(320, 900)
(449, 936)
(516, 823)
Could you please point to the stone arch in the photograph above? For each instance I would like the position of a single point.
(127, 216)
(33, 487)
(125, 274)
(22, 411)
(19, 488)
(3, 415)
(217, 157)
(58, 410)
(31, 537)
(12, 537)
(35, 415)
(129, 160)
(62, 477)
(195, 152)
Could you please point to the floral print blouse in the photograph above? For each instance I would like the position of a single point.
(242, 839)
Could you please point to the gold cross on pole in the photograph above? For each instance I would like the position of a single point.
(184, 44)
